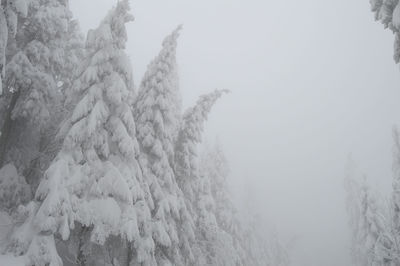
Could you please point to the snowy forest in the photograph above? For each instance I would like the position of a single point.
(101, 167)
(97, 171)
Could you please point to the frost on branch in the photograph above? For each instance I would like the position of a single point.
(388, 13)
(95, 180)
(13, 189)
(189, 137)
(157, 111)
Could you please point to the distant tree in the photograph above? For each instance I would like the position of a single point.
(186, 155)
(371, 240)
(391, 241)
(197, 188)
(241, 233)
(353, 208)
(372, 226)
(396, 179)
(214, 172)
(388, 13)
(215, 167)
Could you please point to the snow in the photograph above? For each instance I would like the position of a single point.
(10, 260)
(3, 45)
(6, 224)
(127, 171)
(12, 21)
(21, 6)
(396, 17)
(13, 188)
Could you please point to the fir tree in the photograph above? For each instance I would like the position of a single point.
(353, 208)
(10, 11)
(42, 55)
(388, 13)
(371, 227)
(214, 171)
(157, 112)
(94, 185)
(196, 188)
(186, 155)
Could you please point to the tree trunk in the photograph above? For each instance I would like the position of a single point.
(6, 129)
(81, 258)
(129, 253)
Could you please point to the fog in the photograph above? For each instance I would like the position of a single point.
(312, 81)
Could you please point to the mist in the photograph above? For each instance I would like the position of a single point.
(99, 167)
(311, 82)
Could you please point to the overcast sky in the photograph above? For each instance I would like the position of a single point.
(311, 82)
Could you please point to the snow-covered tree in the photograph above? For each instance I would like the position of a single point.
(396, 179)
(392, 238)
(159, 90)
(10, 11)
(261, 244)
(186, 155)
(157, 112)
(41, 59)
(372, 227)
(94, 186)
(388, 13)
(231, 237)
(117, 176)
(372, 243)
(215, 167)
(13, 189)
(215, 193)
(353, 208)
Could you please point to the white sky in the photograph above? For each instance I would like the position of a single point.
(311, 81)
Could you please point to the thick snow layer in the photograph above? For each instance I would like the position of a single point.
(396, 17)
(5, 226)
(21, 6)
(10, 260)
(13, 188)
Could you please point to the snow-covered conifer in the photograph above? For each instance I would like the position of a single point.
(388, 13)
(9, 12)
(396, 179)
(215, 167)
(94, 185)
(13, 189)
(373, 241)
(186, 155)
(157, 112)
(159, 103)
(212, 244)
(372, 228)
(353, 207)
(214, 171)
(42, 55)
(262, 247)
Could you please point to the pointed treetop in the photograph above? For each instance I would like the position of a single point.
(112, 28)
(170, 43)
(206, 101)
(203, 106)
(159, 94)
(123, 9)
(172, 38)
